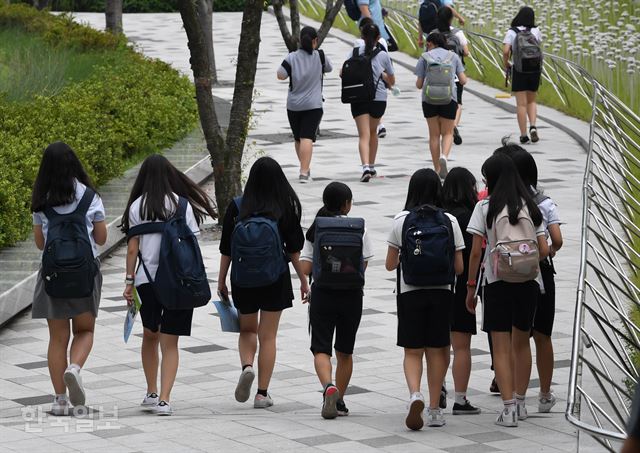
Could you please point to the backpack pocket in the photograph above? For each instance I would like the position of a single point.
(516, 261)
(67, 272)
(340, 263)
(253, 267)
(428, 257)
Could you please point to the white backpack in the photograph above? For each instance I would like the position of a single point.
(515, 257)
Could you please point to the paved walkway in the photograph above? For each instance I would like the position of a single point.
(207, 417)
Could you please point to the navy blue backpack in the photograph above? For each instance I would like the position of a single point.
(257, 254)
(181, 280)
(338, 262)
(68, 264)
(428, 248)
(353, 10)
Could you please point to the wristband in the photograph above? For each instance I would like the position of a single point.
(129, 280)
(472, 283)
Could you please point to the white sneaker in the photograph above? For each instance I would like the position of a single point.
(508, 418)
(262, 402)
(243, 389)
(443, 167)
(414, 420)
(60, 406)
(162, 408)
(546, 403)
(521, 410)
(150, 401)
(436, 417)
(73, 381)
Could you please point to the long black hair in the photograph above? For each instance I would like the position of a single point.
(55, 184)
(334, 197)
(507, 189)
(371, 35)
(437, 39)
(524, 161)
(158, 180)
(363, 23)
(424, 188)
(526, 17)
(307, 35)
(444, 20)
(459, 189)
(269, 193)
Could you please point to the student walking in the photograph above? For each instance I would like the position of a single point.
(459, 198)
(369, 103)
(160, 194)
(261, 233)
(456, 42)
(68, 225)
(305, 69)
(545, 310)
(373, 9)
(522, 45)
(436, 71)
(427, 16)
(511, 223)
(335, 305)
(425, 247)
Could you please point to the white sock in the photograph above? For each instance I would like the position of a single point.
(510, 404)
(461, 398)
(61, 397)
(372, 167)
(545, 395)
(365, 167)
(74, 365)
(519, 399)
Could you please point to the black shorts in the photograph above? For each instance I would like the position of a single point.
(336, 311)
(274, 297)
(447, 111)
(525, 81)
(304, 124)
(375, 109)
(546, 309)
(154, 315)
(507, 305)
(459, 90)
(461, 319)
(423, 318)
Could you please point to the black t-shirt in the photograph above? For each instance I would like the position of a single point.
(463, 215)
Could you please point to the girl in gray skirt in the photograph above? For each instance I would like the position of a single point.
(62, 198)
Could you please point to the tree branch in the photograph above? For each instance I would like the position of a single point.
(331, 12)
(284, 29)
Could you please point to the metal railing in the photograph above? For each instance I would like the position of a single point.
(605, 357)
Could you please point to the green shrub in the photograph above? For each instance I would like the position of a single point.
(138, 6)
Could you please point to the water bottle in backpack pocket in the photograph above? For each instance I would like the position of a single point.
(181, 280)
(358, 84)
(526, 51)
(428, 248)
(514, 256)
(338, 261)
(438, 78)
(68, 264)
(257, 253)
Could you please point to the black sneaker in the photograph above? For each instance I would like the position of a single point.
(382, 132)
(457, 139)
(330, 399)
(524, 139)
(443, 398)
(342, 408)
(534, 134)
(373, 172)
(493, 388)
(465, 409)
(366, 176)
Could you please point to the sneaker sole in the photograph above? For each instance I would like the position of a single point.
(507, 424)
(437, 424)
(545, 409)
(382, 135)
(443, 171)
(243, 389)
(164, 414)
(459, 412)
(329, 409)
(365, 178)
(262, 405)
(534, 137)
(76, 392)
(414, 420)
(457, 139)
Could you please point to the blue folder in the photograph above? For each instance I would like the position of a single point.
(228, 316)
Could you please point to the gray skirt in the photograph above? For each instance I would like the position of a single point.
(45, 307)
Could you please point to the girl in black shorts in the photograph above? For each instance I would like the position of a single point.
(154, 197)
(508, 308)
(269, 194)
(333, 311)
(459, 197)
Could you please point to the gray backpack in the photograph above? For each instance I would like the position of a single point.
(453, 43)
(437, 82)
(527, 53)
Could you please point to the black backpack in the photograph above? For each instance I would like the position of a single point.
(353, 10)
(428, 248)
(68, 264)
(428, 15)
(181, 280)
(338, 262)
(358, 84)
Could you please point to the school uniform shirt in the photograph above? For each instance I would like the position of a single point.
(150, 243)
(440, 54)
(367, 249)
(510, 37)
(360, 42)
(395, 241)
(375, 9)
(478, 225)
(95, 213)
(550, 215)
(306, 79)
(380, 63)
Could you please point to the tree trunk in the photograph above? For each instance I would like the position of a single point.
(291, 38)
(114, 16)
(205, 12)
(331, 12)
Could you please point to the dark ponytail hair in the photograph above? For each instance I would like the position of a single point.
(444, 20)
(364, 22)
(334, 197)
(437, 39)
(307, 35)
(424, 188)
(371, 35)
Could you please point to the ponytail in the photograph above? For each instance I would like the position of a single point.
(334, 197)
(307, 35)
(371, 35)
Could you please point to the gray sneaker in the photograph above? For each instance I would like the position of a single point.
(436, 418)
(330, 402)
(414, 420)
(443, 167)
(304, 179)
(162, 408)
(243, 389)
(262, 402)
(60, 406)
(150, 401)
(73, 381)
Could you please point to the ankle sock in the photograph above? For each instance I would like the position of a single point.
(545, 395)
(519, 399)
(262, 392)
(365, 168)
(246, 366)
(509, 404)
(461, 398)
(61, 396)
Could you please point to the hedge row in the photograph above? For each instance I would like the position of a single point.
(129, 107)
(137, 6)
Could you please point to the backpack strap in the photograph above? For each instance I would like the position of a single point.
(323, 61)
(356, 52)
(181, 211)
(146, 228)
(81, 209)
